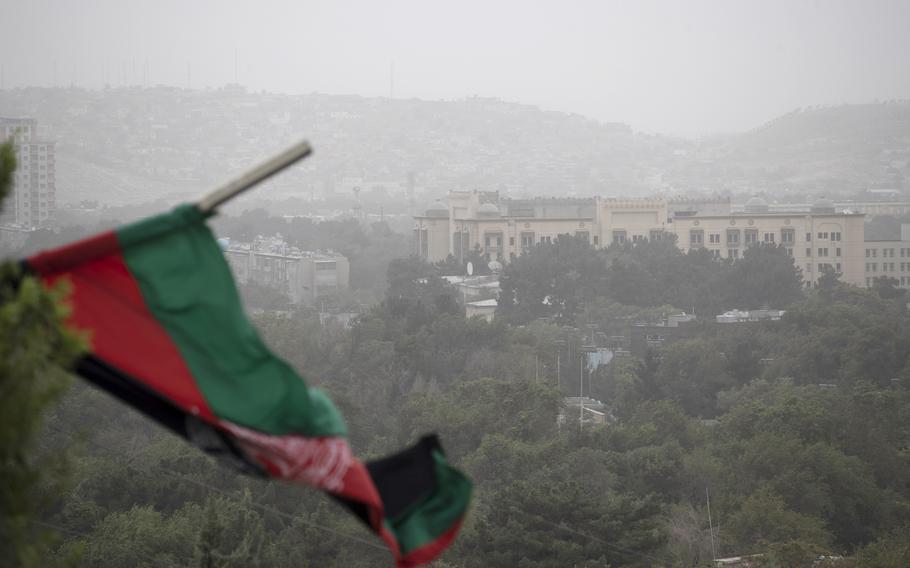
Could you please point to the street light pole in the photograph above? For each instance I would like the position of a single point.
(581, 386)
(559, 345)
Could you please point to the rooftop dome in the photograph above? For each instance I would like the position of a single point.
(488, 210)
(437, 209)
(756, 205)
(823, 205)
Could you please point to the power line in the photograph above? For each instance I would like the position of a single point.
(251, 503)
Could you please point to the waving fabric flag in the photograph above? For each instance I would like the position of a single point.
(168, 336)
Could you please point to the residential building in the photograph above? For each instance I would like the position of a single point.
(481, 308)
(33, 200)
(304, 276)
(888, 258)
(818, 239)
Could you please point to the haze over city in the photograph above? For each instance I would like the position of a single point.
(679, 68)
(504, 284)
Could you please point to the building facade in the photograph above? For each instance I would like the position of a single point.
(304, 276)
(33, 199)
(888, 258)
(819, 238)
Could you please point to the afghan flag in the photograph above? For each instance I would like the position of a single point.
(169, 337)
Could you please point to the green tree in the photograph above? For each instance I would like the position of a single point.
(35, 351)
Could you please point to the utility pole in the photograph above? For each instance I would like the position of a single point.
(710, 525)
(581, 398)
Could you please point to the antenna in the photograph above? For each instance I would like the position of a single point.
(391, 79)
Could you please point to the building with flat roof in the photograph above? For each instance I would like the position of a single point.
(303, 276)
(818, 238)
(888, 258)
(33, 200)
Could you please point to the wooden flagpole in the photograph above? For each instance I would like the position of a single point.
(260, 173)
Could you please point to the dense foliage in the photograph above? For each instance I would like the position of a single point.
(34, 353)
(797, 430)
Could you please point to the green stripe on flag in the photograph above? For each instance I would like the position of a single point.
(433, 516)
(187, 285)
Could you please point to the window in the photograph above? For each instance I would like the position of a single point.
(868, 253)
(511, 241)
(619, 237)
(823, 252)
(331, 265)
(656, 235)
(808, 237)
(769, 238)
(750, 236)
(787, 236)
(461, 244)
(789, 252)
(714, 238)
(837, 251)
(732, 237)
(546, 240)
(836, 236)
(808, 252)
(421, 246)
(596, 240)
(732, 253)
(492, 240)
(715, 254)
(527, 241)
(584, 235)
(638, 238)
(874, 253)
(822, 235)
(696, 238)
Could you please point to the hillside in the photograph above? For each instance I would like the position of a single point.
(843, 148)
(123, 144)
(131, 145)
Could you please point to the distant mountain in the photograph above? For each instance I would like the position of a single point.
(127, 144)
(838, 149)
(130, 145)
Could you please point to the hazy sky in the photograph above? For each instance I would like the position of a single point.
(679, 67)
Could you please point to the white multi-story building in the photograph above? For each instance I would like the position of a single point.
(33, 199)
(818, 238)
(303, 275)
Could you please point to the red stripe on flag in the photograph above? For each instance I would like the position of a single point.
(107, 301)
(323, 462)
(71, 255)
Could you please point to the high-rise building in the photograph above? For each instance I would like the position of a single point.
(33, 200)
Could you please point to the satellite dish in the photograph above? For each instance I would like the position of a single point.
(470, 268)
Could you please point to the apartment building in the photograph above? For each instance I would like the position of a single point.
(304, 276)
(888, 258)
(818, 238)
(33, 200)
